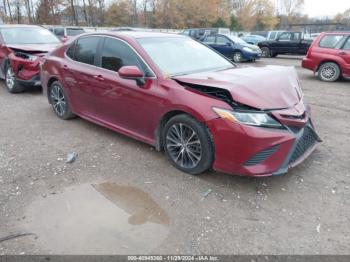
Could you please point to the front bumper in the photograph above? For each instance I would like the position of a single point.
(35, 81)
(251, 56)
(27, 72)
(256, 151)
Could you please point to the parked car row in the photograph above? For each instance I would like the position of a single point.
(197, 106)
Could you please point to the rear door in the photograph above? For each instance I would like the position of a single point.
(79, 74)
(344, 53)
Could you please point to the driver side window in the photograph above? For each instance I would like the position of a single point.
(116, 54)
(220, 40)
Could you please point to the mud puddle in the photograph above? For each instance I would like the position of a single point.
(98, 219)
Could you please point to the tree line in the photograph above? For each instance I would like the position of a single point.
(238, 15)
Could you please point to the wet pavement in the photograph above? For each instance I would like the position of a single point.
(121, 219)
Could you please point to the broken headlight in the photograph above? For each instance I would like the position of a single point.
(248, 118)
(26, 56)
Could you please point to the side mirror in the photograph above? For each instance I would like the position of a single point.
(132, 72)
(229, 44)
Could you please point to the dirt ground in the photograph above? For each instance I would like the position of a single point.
(120, 196)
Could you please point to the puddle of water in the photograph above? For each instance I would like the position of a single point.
(98, 219)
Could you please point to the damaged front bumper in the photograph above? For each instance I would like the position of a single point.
(27, 72)
(258, 151)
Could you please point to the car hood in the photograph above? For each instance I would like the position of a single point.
(42, 48)
(254, 47)
(265, 88)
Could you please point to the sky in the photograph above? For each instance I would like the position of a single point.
(322, 8)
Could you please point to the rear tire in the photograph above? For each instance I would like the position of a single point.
(59, 101)
(329, 72)
(11, 83)
(187, 144)
(237, 57)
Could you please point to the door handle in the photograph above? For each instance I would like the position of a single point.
(342, 53)
(99, 77)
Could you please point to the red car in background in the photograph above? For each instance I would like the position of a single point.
(22, 48)
(184, 98)
(329, 56)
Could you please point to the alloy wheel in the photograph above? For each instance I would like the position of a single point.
(237, 57)
(58, 100)
(328, 72)
(183, 145)
(10, 78)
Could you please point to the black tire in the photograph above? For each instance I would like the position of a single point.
(274, 55)
(59, 101)
(237, 57)
(329, 72)
(266, 52)
(196, 157)
(11, 83)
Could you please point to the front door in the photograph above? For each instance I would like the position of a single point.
(121, 102)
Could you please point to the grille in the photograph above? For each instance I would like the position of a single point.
(308, 139)
(261, 156)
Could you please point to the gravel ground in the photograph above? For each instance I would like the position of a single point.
(120, 196)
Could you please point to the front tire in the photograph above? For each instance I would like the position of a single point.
(11, 83)
(59, 101)
(188, 145)
(266, 52)
(329, 72)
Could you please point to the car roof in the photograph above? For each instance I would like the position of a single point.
(336, 33)
(136, 34)
(20, 26)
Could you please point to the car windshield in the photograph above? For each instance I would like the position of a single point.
(75, 31)
(181, 55)
(28, 35)
(236, 39)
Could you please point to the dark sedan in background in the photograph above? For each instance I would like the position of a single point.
(233, 47)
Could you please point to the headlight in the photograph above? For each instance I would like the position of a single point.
(248, 49)
(26, 56)
(248, 118)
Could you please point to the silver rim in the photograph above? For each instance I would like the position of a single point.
(183, 145)
(265, 52)
(58, 100)
(237, 57)
(10, 78)
(328, 72)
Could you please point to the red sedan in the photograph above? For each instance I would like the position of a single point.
(184, 98)
(22, 49)
(329, 56)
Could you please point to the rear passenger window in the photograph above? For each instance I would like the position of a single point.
(116, 54)
(347, 44)
(331, 41)
(85, 49)
(209, 40)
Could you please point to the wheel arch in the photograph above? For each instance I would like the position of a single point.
(48, 86)
(329, 61)
(165, 118)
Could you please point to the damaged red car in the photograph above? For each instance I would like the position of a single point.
(22, 49)
(184, 98)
